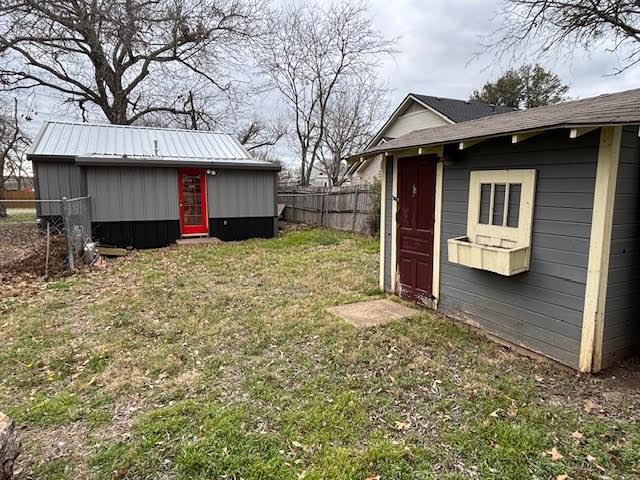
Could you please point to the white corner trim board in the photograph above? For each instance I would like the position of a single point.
(383, 201)
(437, 234)
(599, 247)
(394, 225)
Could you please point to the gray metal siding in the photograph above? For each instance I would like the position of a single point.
(241, 193)
(622, 327)
(540, 309)
(133, 193)
(388, 222)
(55, 180)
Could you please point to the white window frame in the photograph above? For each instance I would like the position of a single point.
(499, 235)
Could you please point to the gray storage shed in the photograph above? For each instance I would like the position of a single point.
(152, 186)
(524, 224)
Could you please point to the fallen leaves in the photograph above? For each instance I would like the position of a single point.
(591, 459)
(402, 426)
(554, 454)
(589, 405)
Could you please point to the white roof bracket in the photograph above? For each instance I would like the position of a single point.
(578, 132)
(468, 143)
(521, 137)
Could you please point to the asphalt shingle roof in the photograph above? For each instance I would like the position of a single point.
(462, 110)
(621, 108)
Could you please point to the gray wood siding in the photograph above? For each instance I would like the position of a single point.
(540, 309)
(133, 193)
(241, 193)
(55, 180)
(622, 327)
(388, 222)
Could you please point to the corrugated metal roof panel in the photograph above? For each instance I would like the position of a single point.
(173, 161)
(84, 139)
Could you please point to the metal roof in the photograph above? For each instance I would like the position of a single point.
(620, 108)
(172, 161)
(86, 140)
(462, 110)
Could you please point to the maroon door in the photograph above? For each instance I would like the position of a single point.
(416, 213)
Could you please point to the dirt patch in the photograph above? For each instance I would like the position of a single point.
(23, 253)
(293, 227)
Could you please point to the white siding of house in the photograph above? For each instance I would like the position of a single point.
(368, 171)
(416, 117)
(414, 121)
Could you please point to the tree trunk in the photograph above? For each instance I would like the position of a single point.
(3, 208)
(9, 447)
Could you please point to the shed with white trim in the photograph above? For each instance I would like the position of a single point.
(524, 224)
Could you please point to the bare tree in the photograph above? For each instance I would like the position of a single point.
(130, 59)
(258, 135)
(13, 143)
(545, 26)
(311, 49)
(352, 115)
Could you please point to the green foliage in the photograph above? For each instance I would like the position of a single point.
(527, 87)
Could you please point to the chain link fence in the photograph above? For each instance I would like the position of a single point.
(76, 216)
(42, 237)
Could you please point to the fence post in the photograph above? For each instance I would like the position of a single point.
(355, 210)
(322, 215)
(67, 234)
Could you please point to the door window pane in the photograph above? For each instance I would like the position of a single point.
(485, 203)
(513, 214)
(498, 204)
(192, 200)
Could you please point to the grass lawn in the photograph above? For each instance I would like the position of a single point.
(220, 362)
(19, 215)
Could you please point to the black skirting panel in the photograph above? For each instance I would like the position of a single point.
(137, 234)
(160, 233)
(229, 229)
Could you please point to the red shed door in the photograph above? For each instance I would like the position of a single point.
(416, 214)
(192, 187)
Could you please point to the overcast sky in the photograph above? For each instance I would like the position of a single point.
(437, 42)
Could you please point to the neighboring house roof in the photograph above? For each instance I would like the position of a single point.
(449, 109)
(129, 145)
(462, 110)
(610, 109)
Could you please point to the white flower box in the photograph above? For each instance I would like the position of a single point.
(502, 260)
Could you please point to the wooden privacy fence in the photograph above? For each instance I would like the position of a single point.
(347, 208)
(21, 195)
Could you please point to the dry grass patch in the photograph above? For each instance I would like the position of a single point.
(220, 361)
